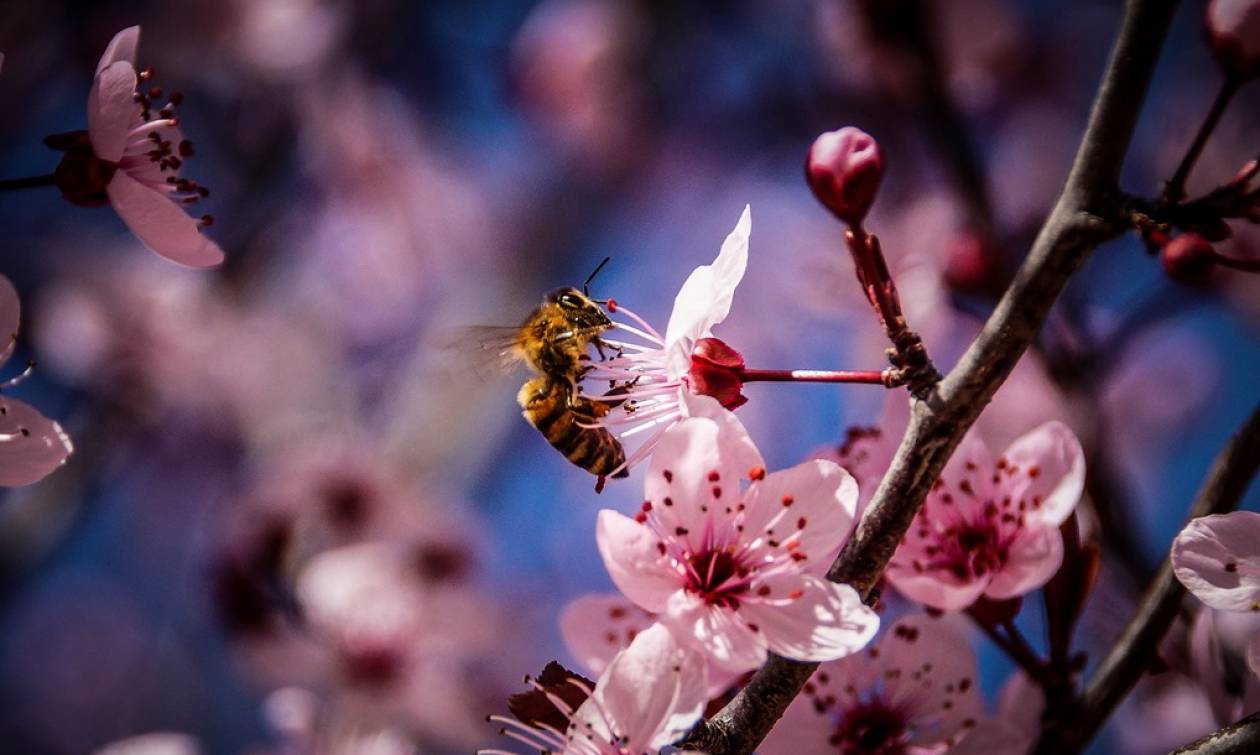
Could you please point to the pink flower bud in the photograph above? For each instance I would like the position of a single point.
(715, 371)
(1189, 258)
(844, 169)
(1233, 29)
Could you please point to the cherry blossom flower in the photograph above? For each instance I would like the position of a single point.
(655, 379)
(31, 445)
(914, 692)
(1217, 558)
(650, 695)
(132, 157)
(735, 572)
(991, 527)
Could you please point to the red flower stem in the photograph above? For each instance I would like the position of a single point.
(873, 377)
(13, 184)
(1250, 266)
(1175, 189)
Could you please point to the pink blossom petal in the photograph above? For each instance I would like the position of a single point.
(10, 318)
(946, 670)
(653, 691)
(161, 224)
(820, 494)
(822, 622)
(112, 110)
(1034, 557)
(938, 590)
(705, 298)
(596, 627)
(721, 634)
(1051, 461)
(737, 446)
(121, 48)
(633, 561)
(31, 445)
(1217, 558)
(970, 468)
(691, 472)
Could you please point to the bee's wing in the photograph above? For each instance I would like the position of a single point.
(486, 350)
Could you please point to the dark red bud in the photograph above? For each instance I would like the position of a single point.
(1189, 259)
(715, 371)
(1233, 32)
(969, 263)
(844, 169)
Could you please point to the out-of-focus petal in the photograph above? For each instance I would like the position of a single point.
(1051, 460)
(32, 445)
(157, 743)
(161, 224)
(121, 48)
(1217, 558)
(825, 622)
(111, 110)
(944, 691)
(705, 298)
(633, 561)
(596, 627)
(10, 318)
(1034, 557)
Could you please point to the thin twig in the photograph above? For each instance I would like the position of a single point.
(1241, 738)
(1175, 189)
(1072, 728)
(32, 182)
(1085, 215)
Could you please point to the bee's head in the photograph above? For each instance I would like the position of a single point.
(579, 308)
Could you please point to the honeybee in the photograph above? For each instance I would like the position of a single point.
(555, 341)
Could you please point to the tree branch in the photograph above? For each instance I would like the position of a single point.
(1239, 738)
(1129, 658)
(1085, 215)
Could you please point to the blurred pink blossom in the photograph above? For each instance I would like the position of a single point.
(144, 155)
(1217, 558)
(1233, 28)
(31, 445)
(991, 527)
(914, 691)
(157, 743)
(734, 571)
(649, 697)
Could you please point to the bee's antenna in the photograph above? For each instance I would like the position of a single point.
(586, 287)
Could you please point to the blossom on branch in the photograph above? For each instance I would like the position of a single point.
(654, 380)
(130, 157)
(991, 527)
(914, 691)
(650, 695)
(735, 571)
